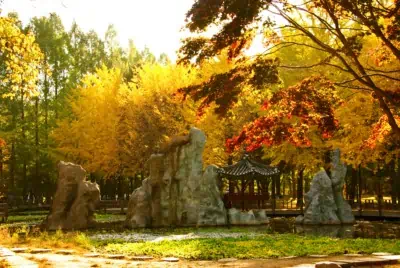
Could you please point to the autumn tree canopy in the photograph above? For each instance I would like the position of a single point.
(21, 59)
(347, 23)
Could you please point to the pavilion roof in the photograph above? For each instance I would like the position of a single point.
(247, 166)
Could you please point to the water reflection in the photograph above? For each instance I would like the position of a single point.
(339, 231)
(361, 229)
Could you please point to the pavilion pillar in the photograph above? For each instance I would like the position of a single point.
(251, 187)
(231, 187)
(243, 190)
(251, 193)
(258, 194)
(273, 187)
(359, 191)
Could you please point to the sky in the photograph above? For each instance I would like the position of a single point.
(152, 23)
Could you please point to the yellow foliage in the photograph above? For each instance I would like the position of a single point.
(91, 138)
(117, 126)
(356, 129)
(22, 58)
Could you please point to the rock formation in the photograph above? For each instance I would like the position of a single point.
(177, 192)
(256, 217)
(324, 202)
(338, 174)
(75, 200)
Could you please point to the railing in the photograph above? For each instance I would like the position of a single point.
(107, 204)
(248, 201)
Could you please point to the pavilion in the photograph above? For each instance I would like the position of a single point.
(248, 184)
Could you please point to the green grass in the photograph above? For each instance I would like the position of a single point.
(109, 217)
(27, 218)
(39, 216)
(266, 246)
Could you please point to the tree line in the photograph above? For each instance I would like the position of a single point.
(328, 78)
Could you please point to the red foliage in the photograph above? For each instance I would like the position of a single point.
(2, 143)
(380, 132)
(291, 113)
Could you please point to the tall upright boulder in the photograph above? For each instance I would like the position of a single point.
(324, 202)
(75, 200)
(320, 201)
(338, 174)
(177, 192)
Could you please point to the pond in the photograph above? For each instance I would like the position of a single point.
(361, 229)
(110, 226)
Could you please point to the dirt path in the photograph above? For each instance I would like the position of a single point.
(56, 260)
(7, 257)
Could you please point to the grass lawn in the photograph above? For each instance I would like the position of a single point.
(266, 246)
(245, 246)
(32, 217)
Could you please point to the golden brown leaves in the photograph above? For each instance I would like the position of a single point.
(22, 58)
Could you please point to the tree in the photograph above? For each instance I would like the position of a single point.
(87, 52)
(21, 59)
(153, 114)
(90, 137)
(346, 22)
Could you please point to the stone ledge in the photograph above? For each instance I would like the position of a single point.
(367, 261)
(172, 259)
(332, 264)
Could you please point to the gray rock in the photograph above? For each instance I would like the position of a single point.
(171, 259)
(115, 256)
(141, 258)
(338, 174)
(237, 217)
(91, 255)
(65, 251)
(19, 250)
(256, 217)
(299, 219)
(381, 254)
(318, 256)
(228, 260)
(75, 200)
(281, 225)
(177, 192)
(40, 250)
(139, 206)
(320, 202)
(261, 216)
(324, 202)
(211, 209)
(353, 255)
(329, 264)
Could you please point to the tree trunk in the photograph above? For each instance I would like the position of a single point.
(56, 91)
(1, 164)
(393, 180)
(294, 184)
(278, 185)
(131, 184)
(273, 188)
(12, 167)
(37, 142)
(380, 197)
(23, 134)
(353, 184)
(46, 108)
(300, 189)
(398, 180)
(359, 190)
